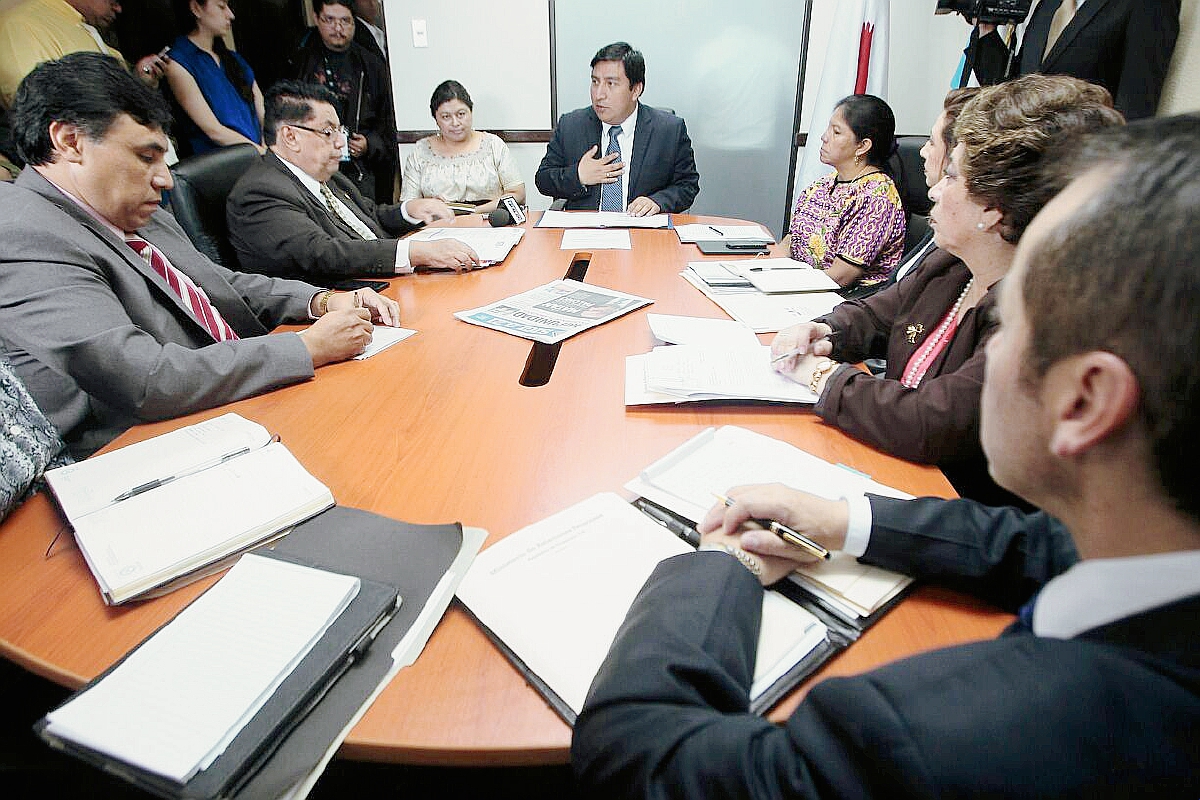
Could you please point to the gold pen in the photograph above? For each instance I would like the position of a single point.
(792, 537)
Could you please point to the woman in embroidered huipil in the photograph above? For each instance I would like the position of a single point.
(932, 326)
(850, 223)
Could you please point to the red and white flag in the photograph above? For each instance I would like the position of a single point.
(856, 62)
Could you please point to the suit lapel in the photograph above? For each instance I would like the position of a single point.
(117, 245)
(642, 135)
(316, 209)
(1082, 18)
(348, 200)
(1034, 43)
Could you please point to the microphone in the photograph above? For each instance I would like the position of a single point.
(508, 212)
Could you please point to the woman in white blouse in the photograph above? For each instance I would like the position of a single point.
(459, 164)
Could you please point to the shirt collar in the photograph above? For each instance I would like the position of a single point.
(1098, 591)
(87, 209)
(312, 184)
(627, 126)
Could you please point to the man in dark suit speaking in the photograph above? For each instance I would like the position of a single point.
(1091, 410)
(108, 313)
(617, 154)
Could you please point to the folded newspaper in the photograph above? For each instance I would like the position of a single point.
(555, 311)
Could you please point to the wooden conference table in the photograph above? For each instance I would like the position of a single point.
(438, 429)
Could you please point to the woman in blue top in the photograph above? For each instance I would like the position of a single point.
(214, 86)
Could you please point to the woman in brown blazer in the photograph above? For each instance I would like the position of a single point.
(932, 326)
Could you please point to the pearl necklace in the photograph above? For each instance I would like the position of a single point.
(918, 366)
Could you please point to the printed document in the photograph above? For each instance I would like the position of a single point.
(554, 311)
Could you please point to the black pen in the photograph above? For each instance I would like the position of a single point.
(680, 529)
(792, 537)
(157, 482)
(716, 231)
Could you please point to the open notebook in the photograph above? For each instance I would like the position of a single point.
(553, 595)
(168, 507)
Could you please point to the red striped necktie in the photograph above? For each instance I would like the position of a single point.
(192, 296)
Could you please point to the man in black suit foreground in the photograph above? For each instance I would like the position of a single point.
(617, 154)
(1091, 410)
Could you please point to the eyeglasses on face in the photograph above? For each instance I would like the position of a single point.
(329, 133)
(336, 22)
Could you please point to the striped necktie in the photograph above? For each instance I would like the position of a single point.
(192, 295)
(339, 210)
(612, 194)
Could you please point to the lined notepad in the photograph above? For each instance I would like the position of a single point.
(178, 700)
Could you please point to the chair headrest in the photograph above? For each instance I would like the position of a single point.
(909, 169)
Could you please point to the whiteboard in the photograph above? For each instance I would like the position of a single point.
(500, 51)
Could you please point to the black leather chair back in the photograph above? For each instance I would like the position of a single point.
(202, 183)
(909, 170)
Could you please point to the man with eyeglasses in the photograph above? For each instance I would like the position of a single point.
(359, 79)
(293, 214)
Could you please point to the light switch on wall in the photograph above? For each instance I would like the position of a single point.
(420, 39)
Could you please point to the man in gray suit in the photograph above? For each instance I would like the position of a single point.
(107, 312)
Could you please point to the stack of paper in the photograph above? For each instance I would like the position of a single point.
(691, 234)
(688, 479)
(177, 701)
(492, 245)
(675, 329)
(764, 313)
(686, 373)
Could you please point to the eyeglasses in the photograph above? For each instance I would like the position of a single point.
(337, 22)
(330, 134)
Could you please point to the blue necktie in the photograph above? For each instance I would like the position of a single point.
(610, 193)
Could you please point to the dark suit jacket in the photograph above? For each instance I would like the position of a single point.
(661, 167)
(102, 342)
(279, 228)
(938, 422)
(1110, 713)
(1123, 45)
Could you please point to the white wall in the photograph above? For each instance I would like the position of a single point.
(924, 53)
(1182, 90)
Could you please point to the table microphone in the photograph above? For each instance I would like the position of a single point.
(508, 212)
(499, 218)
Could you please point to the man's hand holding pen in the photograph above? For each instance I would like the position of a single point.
(735, 520)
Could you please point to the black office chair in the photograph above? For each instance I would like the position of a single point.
(202, 183)
(909, 169)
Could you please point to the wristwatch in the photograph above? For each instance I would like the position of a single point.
(824, 367)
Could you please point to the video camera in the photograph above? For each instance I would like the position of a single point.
(994, 12)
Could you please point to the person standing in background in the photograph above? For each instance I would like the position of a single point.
(359, 79)
(1123, 45)
(368, 26)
